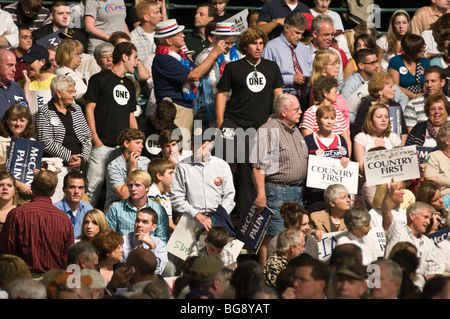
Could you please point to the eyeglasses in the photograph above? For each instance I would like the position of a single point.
(327, 35)
(372, 63)
(301, 279)
(70, 92)
(26, 37)
(338, 62)
(295, 110)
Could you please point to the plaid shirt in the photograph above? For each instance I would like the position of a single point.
(144, 45)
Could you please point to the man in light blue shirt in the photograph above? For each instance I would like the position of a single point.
(202, 182)
(146, 223)
(368, 64)
(71, 204)
(121, 215)
(279, 50)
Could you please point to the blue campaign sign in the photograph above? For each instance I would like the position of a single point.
(253, 227)
(52, 38)
(24, 156)
(439, 236)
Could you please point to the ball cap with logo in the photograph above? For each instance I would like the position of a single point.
(36, 52)
(168, 28)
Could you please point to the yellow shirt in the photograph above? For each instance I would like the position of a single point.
(37, 85)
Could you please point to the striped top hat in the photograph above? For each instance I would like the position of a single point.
(168, 28)
(225, 28)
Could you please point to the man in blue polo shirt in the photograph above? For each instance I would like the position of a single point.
(10, 91)
(272, 15)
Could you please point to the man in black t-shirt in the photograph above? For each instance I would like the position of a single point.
(110, 103)
(254, 83)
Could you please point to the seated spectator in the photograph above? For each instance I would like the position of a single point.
(215, 241)
(362, 41)
(246, 277)
(30, 13)
(161, 171)
(62, 127)
(37, 76)
(331, 219)
(376, 132)
(381, 91)
(399, 213)
(11, 268)
(72, 204)
(25, 43)
(8, 188)
(130, 142)
(290, 244)
(390, 43)
(409, 262)
(443, 42)
(122, 214)
(408, 68)
(84, 255)
(17, 122)
(437, 288)
(144, 225)
(431, 36)
(296, 216)
(27, 288)
(357, 220)
(437, 110)
(325, 91)
(427, 15)
(94, 222)
(109, 245)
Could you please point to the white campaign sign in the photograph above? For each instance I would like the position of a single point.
(325, 171)
(183, 240)
(38, 99)
(240, 20)
(400, 163)
(329, 240)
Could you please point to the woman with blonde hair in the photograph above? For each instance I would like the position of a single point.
(94, 222)
(68, 56)
(326, 62)
(11, 268)
(390, 44)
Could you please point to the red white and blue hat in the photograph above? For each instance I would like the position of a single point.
(168, 28)
(225, 28)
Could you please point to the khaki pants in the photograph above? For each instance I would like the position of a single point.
(185, 119)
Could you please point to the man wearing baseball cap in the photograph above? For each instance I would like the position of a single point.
(174, 74)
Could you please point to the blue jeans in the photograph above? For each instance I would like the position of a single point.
(99, 159)
(277, 195)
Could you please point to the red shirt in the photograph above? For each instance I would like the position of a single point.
(39, 233)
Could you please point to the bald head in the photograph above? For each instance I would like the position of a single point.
(7, 66)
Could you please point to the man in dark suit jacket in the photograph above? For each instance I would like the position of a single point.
(60, 15)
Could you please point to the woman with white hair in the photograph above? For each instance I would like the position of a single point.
(357, 220)
(331, 219)
(61, 125)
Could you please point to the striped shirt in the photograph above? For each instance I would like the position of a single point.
(427, 252)
(39, 233)
(415, 112)
(41, 19)
(51, 131)
(310, 121)
(281, 152)
(122, 214)
(145, 44)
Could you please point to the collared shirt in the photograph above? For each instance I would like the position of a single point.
(423, 18)
(225, 256)
(427, 251)
(415, 111)
(116, 175)
(279, 51)
(77, 220)
(145, 46)
(12, 94)
(122, 214)
(196, 42)
(368, 244)
(275, 9)
(39, 233)
(8, 25)
(202, 187)
(131, 243)
(281, 152)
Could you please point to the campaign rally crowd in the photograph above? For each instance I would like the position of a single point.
(284, 152)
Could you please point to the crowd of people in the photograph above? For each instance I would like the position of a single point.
(142, 125)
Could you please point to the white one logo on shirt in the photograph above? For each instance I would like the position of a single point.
(256, 81)
(151, 144)
(121, 94)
